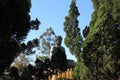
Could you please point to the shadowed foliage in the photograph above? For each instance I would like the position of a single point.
(15, 24)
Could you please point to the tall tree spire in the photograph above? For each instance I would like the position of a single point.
(73, 37)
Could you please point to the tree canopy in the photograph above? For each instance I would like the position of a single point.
(15, 24)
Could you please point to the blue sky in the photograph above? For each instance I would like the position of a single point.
(51, 13)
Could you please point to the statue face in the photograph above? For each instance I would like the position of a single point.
(58, 42)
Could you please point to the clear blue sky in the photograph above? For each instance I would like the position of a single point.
(51, 13)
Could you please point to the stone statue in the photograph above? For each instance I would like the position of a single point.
(57, 54)
(53, 50)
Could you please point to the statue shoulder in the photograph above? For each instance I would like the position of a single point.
(53, 48)
(62, 48)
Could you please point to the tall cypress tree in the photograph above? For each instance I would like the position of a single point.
(101, 49)
(73, 37)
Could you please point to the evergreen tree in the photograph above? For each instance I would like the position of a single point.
(15, 24)
(73, 38)
(101, 49)
(80, 70)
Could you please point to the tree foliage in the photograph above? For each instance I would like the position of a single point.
(85, 31)
(28, 48)
(101, 47)
(15, 24)
(73, 37)
(46, 40)
(80, 70)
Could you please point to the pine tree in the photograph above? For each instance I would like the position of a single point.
(101, 49)
(73, 37)
(15, 24)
